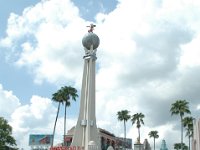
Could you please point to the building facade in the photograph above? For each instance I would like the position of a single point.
(106, 139)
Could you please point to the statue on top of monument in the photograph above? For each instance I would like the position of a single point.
(91, 26)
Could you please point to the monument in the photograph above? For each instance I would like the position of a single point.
(196, 135)
(163, 145)
(86, 133)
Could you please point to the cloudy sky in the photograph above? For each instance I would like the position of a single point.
(148, 57)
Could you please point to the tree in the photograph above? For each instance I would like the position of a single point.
(180, 107)
(124, 116)
(179, 146)
(68, 92)
(62, 96)
(6, 138)
(138, 119)
(188, 124)
(57, 98)
(155, 135)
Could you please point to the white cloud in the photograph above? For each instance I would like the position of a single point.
(42, 32)
(190, 54)
(37, 118)
(147, 58)
(32, 118)
(8, 102)
(198, 107)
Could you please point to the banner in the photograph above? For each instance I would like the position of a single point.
(67, 148)
(40, 139)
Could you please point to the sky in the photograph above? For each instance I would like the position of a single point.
(147, 59)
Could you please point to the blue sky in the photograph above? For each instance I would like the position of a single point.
(148, 57)
(18, 79)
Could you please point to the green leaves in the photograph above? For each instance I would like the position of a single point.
(64, 94)
(6, 138)
(138, 119)
(123, 115)
(188, 124)
(153, 134)
(180, 107)
(177, 146)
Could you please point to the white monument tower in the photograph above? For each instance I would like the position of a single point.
(86, 134)
(196, 135)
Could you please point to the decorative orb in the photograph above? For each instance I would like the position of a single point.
(90, 39)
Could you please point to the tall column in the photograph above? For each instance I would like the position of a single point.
(196, 135)
(86, 130)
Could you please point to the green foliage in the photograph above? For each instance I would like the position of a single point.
(123, 115)
(6, 138)
(180, 107)
(155, 135)
(138, 119)
(177, 146)
(188, 124)
(62, 96)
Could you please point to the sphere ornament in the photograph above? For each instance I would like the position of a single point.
(90, 39)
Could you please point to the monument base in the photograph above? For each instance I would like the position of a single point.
(138, 147)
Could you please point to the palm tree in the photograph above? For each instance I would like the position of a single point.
(124, 116)
(179, 146)
(155, 135)
(57, 98)
(180, 107)
(188, 124)
(63, 95)
(138, 119)
(68, 92)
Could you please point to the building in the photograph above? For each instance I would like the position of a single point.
(196, 135)
(106, 139)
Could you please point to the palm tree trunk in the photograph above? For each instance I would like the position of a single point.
(124, 134)
(54, 128)
(64, 124)
(189, 142)
(139, 134)
(154, 143)
(181, 132)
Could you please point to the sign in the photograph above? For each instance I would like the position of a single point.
(40, 139)
(67, 148)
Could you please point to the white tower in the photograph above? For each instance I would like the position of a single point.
(196, 135)
(86, 129)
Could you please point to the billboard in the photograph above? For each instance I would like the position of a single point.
(40, 139)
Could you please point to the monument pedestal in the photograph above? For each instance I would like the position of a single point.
(138, 147)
